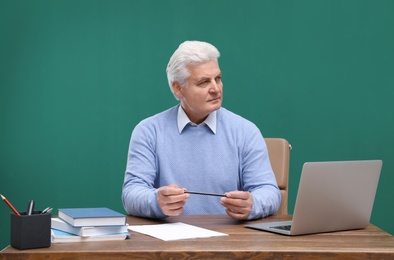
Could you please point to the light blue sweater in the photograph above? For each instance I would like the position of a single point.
(235, 158)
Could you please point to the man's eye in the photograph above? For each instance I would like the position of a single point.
(202, 83)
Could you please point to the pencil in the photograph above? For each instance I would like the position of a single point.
(10, 205)
(205, 193)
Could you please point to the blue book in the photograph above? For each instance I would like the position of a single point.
(80, 217)
(58, 236)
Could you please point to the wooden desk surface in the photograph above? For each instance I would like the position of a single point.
(242, 243)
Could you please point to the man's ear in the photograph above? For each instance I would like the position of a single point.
(177, 88)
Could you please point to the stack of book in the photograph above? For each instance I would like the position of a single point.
(88, 224)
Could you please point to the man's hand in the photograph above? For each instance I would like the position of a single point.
(238, 204)
(171, 199)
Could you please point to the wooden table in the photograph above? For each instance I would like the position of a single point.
(242, 243)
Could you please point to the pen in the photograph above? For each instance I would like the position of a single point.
(10, 205)
(30, 207)
(205, 193)
(47, 210)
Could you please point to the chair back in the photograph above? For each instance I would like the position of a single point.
(279, 154)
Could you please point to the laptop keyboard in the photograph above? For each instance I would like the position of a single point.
(286, 227)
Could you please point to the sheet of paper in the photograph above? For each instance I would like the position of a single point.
(175, 231)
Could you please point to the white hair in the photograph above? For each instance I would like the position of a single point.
(188, 52)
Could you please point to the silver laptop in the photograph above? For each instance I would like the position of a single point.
(332, 196)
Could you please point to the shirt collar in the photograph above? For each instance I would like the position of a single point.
(183, 120)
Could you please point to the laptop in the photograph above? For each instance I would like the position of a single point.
(332, 196)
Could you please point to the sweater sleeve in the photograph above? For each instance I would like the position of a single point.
(257, 175)
(139, 195)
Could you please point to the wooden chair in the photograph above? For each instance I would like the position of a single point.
(279, 153)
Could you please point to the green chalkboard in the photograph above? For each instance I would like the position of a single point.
(77, 76)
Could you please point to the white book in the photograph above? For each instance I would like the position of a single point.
(61, 225)
(58, 236)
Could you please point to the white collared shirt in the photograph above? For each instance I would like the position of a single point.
(183, 120)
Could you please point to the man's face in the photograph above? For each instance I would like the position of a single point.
(204, 92)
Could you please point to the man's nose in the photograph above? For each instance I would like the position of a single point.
(214, 87)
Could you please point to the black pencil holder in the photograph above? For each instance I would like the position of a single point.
(30, 231)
